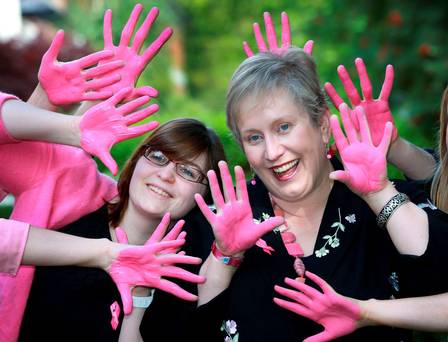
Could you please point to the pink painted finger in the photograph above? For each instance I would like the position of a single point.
(388, 83)
(170, 259)
(175, 290)
(159, 247)
(227, 182)
(53, 51)
(132, 105)
(176, 231)
(366, 85)
(294, 307)
(129, 28)
(96, 95)
(333, 94)
(126, 297)
(137, 131)
(308, 47)
(107, 29)
(99, 83)
(247, 49)
(268, 225)
(241, 187)
(349, 87)
(387, 137)
(306, 289)
(141, 114)
(320, 282)
(270, 32)
(156, 45)
(348, 124)
(340, 176)
(121, 235)
(179, 273)
(259, 38)
(363, 125)
(160, 230)
(296, 296)
(108, 161)
(205, 210)
(93, 58)
(215, 190)
(339, 137)
(286, 31)
(119, 96)
(102, 69)
(324, 336)
(142, 32)
(145, 90)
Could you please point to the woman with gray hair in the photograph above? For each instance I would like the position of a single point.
(278, 114)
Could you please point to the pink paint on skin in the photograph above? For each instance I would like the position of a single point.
(365, 165)
(377, 110)
(272, 39)
(337, 314)
(105, 124)
(145, 265)
(127, 53)
(79, 80)
(233, 224)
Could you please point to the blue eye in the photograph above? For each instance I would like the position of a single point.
(254, 138)
(284, 127)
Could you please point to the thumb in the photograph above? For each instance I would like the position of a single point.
(108, 161)
(121, 235)
(269, 225)
(341, 176)
(126, 298)
(321, 337)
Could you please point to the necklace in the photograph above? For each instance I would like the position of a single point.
(289, 239)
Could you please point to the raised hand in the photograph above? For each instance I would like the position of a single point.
(337, 314)
(144, 266)
(105, 124)
(365, 166)
(134, 64)
(272, 39)
(377, 110)
(79, 80)
(233, 224)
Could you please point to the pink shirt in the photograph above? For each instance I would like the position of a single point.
(53, 185)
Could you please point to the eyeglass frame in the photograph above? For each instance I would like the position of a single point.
(176, 164)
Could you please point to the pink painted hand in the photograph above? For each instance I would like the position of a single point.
(377, 110)
(365, 166)
(233, 224)
(272, 39)
(134, 64)
(105, 124)
(145, 265)
(337, 314)
(79, 80)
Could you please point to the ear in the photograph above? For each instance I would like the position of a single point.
(324, 123)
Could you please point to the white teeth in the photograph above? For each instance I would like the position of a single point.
(286, 167)
(158, 191)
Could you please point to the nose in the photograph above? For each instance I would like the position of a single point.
(273, 149)
(167, 173)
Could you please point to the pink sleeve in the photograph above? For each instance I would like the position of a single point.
(13, 236)
(5, 137)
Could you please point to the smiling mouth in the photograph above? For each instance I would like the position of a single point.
(158, 190)
(286, 171)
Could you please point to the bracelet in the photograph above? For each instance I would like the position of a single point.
(225, 259)
(143, 302)
(390, 207)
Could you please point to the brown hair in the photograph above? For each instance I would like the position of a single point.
(439, 188)
(180, 140)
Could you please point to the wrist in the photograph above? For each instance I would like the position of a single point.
(377, 200)
(234, 260)
(367, 313)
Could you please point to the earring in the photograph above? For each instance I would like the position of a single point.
(330, 151)
(252, 180)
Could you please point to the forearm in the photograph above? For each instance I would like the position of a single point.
(408, 224)
(40, 99)
(412, 160)
(26, 122)
(218, 277)
(422, 313)
(51, 248)
(130, 328)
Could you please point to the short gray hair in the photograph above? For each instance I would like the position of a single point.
(293, 71)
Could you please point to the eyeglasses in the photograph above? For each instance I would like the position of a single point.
(186, 171)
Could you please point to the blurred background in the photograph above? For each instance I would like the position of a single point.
(193, 69)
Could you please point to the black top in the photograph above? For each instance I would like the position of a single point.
(362, 263)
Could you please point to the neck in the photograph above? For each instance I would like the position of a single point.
(138, 227)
